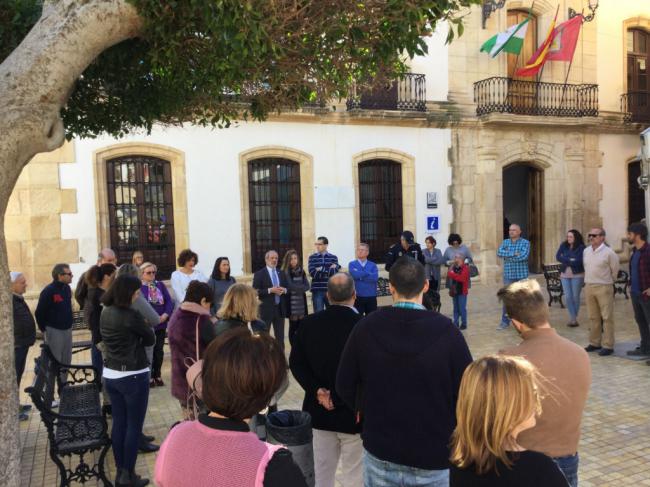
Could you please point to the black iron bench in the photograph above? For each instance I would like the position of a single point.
(78, 324)
(553, 283)
(79, 427)
(382, 287)
(622, 283)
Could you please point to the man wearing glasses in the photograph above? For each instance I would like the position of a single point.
(601, 269)
(54, 313)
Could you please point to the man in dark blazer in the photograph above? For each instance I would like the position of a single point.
(271, 284)
(314, 361)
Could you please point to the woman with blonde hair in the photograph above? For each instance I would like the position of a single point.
(239, 308)
(499, 397)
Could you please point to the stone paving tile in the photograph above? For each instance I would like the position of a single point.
(614, 449)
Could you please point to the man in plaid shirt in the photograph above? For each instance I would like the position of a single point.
(514, 251)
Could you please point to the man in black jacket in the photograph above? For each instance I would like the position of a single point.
(401, 369)
(314, 361)
(406, 246)
(271, 284)
(24, 331)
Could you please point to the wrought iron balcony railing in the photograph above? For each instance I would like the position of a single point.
(635, 106)
(407, 93)
(521, 97)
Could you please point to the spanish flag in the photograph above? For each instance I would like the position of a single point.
(535, 63)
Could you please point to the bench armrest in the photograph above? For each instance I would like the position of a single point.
(78, 374)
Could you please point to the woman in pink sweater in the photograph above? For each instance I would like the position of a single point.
(241, 373)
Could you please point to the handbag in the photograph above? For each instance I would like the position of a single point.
(193, 375)
(473, 270)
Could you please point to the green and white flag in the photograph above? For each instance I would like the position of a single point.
(512, 40)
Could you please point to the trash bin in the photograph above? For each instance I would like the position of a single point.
(293, 430)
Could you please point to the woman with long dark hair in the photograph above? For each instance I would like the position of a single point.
(220, 281)
(126, 373)
(296, 297)
(572, 275)
(98, 279)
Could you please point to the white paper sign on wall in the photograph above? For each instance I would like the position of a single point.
(334, 197)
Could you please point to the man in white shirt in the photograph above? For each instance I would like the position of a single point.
(601, 270)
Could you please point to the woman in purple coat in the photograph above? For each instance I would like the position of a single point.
(156, 294)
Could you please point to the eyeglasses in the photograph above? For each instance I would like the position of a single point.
(149, 272)
(594, 235)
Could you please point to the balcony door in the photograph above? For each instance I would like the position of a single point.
(522, 96)
(638, 58)
(274, 205)
(635, 195)
(380, 205)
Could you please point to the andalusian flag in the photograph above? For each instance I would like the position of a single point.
(535, 63)
(512, 40)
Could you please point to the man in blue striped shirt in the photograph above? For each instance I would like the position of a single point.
(322, 265)
(514, 251)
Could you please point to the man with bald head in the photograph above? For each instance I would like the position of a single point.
(314, 360)
(105, 256)
(271, 284)
(514, 251)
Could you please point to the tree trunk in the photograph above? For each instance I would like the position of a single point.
(35, 82)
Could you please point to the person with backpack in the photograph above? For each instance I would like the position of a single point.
(458, 275)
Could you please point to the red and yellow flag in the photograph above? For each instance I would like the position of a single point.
(536, 62)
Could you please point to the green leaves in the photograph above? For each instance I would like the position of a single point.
(209, 61)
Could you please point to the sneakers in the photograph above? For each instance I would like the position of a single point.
(502, 326)
(592, 348)
(606, 351)
(152, 383)
(573, 324)
(55, 404)
(159, 382)
(23, 417)
(25, 408)
(463, 327)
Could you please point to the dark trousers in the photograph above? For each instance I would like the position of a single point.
(277, 321)
(365, 305)
(129, 397)
(158, 353)
(97, 359)
(642, 317)
(293, 330)
(20, 358)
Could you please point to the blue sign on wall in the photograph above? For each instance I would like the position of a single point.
(433, 223)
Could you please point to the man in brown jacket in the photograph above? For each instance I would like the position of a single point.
(567, 371)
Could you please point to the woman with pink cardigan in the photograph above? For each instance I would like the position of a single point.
(241, 373)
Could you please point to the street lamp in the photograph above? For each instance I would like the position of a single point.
(593, 5)
(644, 179)
(490, 6)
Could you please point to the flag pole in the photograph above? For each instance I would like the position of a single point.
(566, 78)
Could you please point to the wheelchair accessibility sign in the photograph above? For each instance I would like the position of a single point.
(433, 224)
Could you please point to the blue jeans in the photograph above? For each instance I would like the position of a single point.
(569, 467)
(572, 288)
(129, 397)
(460, 309)
(507, 282)
(319, 300)
(380, 473)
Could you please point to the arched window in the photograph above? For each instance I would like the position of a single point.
(140, 207)
(380, 205)
(635, 195)
(638, 58)
(274, 205)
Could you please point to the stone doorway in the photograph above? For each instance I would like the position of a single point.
(523, 204)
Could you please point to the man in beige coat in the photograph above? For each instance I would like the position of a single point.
(566, 369)
(601, 270)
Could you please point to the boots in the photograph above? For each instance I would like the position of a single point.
(124, 478)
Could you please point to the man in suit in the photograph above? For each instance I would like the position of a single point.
(314, 361)
(271, 284)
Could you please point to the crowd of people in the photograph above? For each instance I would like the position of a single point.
(507, 419)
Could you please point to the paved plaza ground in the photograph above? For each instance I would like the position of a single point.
(615, 445)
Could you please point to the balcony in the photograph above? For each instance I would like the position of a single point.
(635, 106)
(406, 94)
(522, 97)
